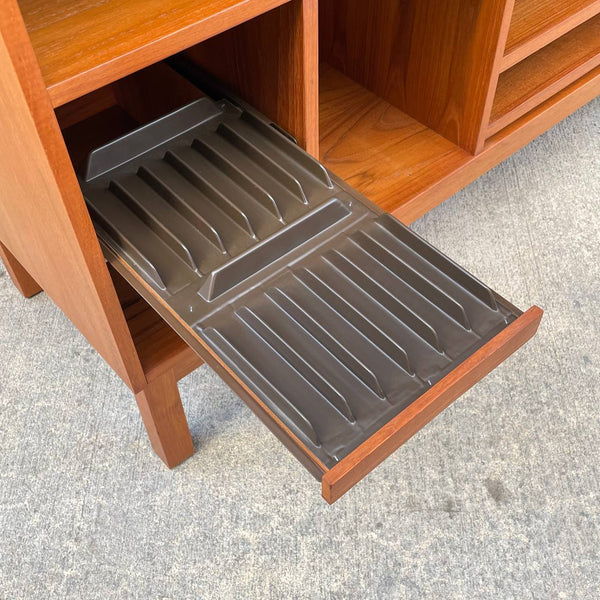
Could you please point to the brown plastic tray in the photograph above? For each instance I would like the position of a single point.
(328, 317)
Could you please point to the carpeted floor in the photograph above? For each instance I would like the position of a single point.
(499, 497)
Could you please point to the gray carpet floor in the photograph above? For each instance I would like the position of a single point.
(499, 497)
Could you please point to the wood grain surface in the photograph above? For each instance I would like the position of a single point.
(536, 23)
(44, 222)
(82, 45)
(437, 62)
(272, 63)
(405, 167)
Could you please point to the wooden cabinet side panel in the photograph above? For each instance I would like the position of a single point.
(369, 42)
(272, 63)
(43, 219)
(454, 64)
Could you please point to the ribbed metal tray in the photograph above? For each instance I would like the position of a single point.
(335, 315)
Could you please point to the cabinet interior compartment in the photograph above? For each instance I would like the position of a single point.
(407, 88)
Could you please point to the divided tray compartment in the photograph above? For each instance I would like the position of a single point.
(328, 317)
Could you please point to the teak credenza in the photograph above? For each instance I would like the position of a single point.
(137, 192)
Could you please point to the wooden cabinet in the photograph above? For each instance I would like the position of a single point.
(406, 102)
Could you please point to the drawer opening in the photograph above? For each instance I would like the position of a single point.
(328, 317)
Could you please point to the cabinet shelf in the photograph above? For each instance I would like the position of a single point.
(82, 45)
(541, 75)
(537, 23)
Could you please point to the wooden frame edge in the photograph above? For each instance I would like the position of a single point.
(83, 82)
(361, 461)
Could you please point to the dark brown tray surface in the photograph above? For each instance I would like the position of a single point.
(335, 315)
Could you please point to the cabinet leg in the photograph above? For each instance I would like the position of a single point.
(160, 406)
(20, 277)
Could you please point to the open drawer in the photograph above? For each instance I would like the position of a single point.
(343, 331)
